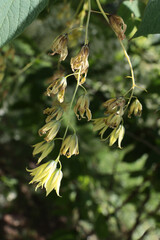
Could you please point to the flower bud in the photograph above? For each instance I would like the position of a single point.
(70, 146)
(118, 26)
(136, 108)
(82, 106)
(60, 47)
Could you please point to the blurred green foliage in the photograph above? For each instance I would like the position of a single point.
(107, 193)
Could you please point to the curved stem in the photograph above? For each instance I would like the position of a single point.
(87, 24)
(102, 11)
(130, 64)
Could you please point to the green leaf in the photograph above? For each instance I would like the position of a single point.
(151, 20)
(15, 15)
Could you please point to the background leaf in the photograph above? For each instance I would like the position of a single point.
(150, 22)
(15, 15)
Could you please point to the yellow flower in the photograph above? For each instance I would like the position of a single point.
(58, 87)
(43, 147)
(70, 146)
(60, 47)
(46, 175)
(82, 106)
(80, 63)
(136, 108)
(117, 133)
(100, 124)
(51, 128)
(118, 26)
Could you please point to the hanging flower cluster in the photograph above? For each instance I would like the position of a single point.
(49, 174)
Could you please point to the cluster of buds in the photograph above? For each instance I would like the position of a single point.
(118, 26)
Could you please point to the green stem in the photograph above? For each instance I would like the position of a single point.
(102, 11)
(87, 24)
(74, 94)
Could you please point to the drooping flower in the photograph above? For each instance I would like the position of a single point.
(82, 106)
(56, 111)
(117, 133)
(44, 148)
(70, 146)
(100, 124)
(118, 26)
(80, 63)
(113, 120)
(114, 104)
(51, 129)
(136, 108)
(46, 175)
(59, 46)
(58, 87)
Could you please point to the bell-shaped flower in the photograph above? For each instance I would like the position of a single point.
(58, 87)
(136, 108)
(70, 146)
(48, 176)
(44, 148)
(59, 46)
(51, 129)
(82, 106)
(80, 63)
(117, 133)
(118, 26)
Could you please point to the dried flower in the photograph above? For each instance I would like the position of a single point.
(114, 104)
(51, 128)
(118, 26)
(70, 146)
(58, 87)
(80, 63)
(117, 133)
(56, 111)
(46, 175)
(136, 108)
(57, 74)
(59, 46)
(82, 106)
(44, 148)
